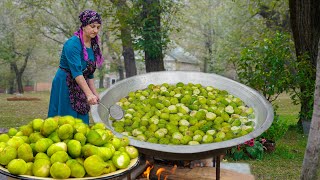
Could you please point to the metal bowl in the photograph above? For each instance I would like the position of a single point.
(262, 108)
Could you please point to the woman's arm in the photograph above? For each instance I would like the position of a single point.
(91, 97)
(93, 88)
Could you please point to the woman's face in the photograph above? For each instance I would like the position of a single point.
(91, 30)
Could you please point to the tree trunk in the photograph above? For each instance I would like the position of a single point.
(305, 25)
(102, 69)
(18, 77)
(19, 83)
(128, 53)
(101, 82)
(121, 73)
(153, 64)
(152, 36)
(208, 34)
(11, 80)
(311, 156)
(126, 38)
(19, 72)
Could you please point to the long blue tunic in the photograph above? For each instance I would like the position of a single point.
(71, 59)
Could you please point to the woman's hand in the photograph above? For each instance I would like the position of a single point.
(93, 88)
(92, 99)
(97, 95)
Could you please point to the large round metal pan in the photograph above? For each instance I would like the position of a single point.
(121, 172)
(262, 108)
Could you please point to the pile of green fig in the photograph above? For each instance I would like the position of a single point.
(64, 147)
(183, 114)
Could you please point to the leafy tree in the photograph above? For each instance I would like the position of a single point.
(150, 36)
(311, 158)
(216, 31)
(17, 40)
(266, 65)
(57, 27)
(151, 24)
(305, 23)
(123, 14)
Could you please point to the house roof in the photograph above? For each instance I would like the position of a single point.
(180, 55)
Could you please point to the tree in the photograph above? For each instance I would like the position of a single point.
(17, 40)
(151, 24)
(125, 35)
(151, 15)
(266, 65)
(311, 157)
(216, 31)
(58, 27)
(305, 24)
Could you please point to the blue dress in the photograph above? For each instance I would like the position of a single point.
(72, 60)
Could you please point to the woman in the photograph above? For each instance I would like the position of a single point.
(73, 89)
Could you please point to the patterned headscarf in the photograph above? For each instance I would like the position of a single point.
(87, 17)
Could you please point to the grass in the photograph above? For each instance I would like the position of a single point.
(284, 163)
(17, 113)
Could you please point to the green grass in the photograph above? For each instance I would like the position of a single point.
(284, 163)
(17, 113)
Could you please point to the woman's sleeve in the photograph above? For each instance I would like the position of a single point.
(91, 76)
(73, 55)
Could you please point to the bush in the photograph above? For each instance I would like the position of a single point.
(266, 65)
(276, 131)
(252, 149)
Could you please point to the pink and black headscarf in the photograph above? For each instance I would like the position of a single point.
(87, 17)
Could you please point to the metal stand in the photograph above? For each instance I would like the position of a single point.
(129, 176)
(217, 165)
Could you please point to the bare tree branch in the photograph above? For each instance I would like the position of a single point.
(51, 38)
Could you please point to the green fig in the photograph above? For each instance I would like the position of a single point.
(74, 148)
(12, 132)
(26, 130)
(41, 168)
(121, 160)
(94, 165)
(54, 137)
(15, 142)
(35, 136)
(41, 155)
(59, 146)
(7, 154)
(97, 137)
(60, 156)
(81, 138)
(4, 137)
(49, 126)
(43, 144)
(132, 151)
(37, 124)
(17, 167)
(29, 169)
(105, 153)
(60, 170)
(65, 131)
(77, 169)
(25, 152)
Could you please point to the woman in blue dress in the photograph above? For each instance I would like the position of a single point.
(73, 89)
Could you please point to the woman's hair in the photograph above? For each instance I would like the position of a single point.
(87, 17)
